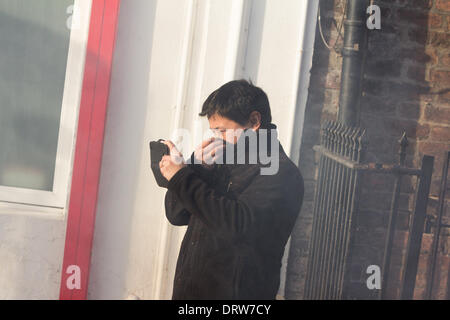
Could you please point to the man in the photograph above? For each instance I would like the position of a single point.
(238, 219)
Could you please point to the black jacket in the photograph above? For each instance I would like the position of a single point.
(238, 224)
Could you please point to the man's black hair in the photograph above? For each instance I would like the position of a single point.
(236, 100)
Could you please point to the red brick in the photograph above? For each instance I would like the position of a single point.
(421, 277)
(443, 5)
(339, 9)
(431, 53)
(333, 81)
(422, 132)
(432, 149)
(441, 76)
(444, 98)
(447, 246)
(436, 114)
(440, 289)
(427, 240)
(326, 116)
(329, 80)
(331, 101)
(426, 98)
(423, 263)
(435, 21)
(419, 293)
(438, 39)
(440, 134)
(444, 61)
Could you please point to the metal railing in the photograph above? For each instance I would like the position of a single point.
(334, 207)
(438, 225)
(336, 198)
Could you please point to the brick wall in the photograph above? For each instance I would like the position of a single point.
(406, 87)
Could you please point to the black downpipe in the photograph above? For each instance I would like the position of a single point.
(352, 65)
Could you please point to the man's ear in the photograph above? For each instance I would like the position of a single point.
(255, 120)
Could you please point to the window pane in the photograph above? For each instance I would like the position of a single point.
(34, 43)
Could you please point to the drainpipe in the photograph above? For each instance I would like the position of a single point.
(352, 65)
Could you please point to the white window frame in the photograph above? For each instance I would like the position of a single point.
(11, 197)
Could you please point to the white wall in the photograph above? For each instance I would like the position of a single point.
(169, 56)
(32, 237)
(31, 251)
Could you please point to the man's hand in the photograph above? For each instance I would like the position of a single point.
(208, 152)
(171, 164)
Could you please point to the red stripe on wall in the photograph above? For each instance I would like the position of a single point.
(89, 145)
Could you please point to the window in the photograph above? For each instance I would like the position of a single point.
(42, 53)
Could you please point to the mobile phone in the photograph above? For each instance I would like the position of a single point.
(157, 150)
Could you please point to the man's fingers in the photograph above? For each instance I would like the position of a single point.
(208, 150)
(212, 146)
(201, 147)
(176, 155)
(170, 144)
(172, 148)
(163, 160)
(218, 155)
(212, 152)
(216, 151)
(214, 155)
(206, 142)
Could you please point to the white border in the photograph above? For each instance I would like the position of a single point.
(12, 199)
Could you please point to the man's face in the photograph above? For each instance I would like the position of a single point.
(221, 125)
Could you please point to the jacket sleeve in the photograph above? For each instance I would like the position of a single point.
(175, 211)
(266, 200)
